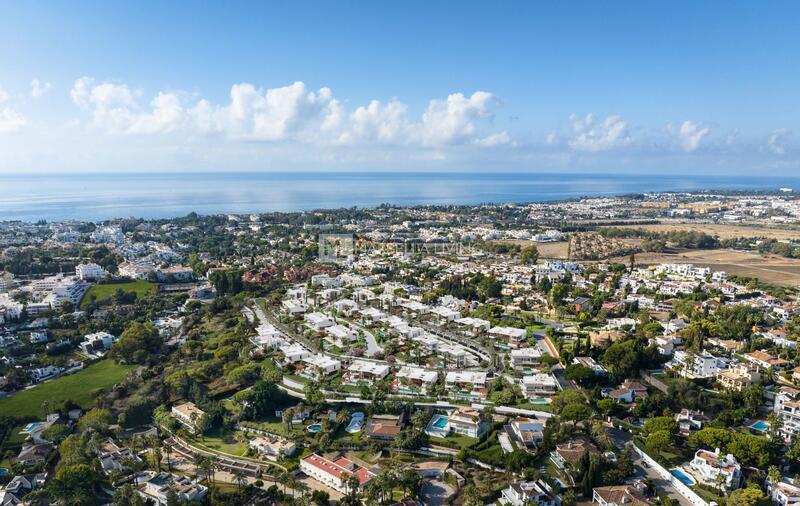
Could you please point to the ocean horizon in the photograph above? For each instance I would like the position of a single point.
(98, 197)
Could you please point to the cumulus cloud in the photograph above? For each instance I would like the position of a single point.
(292, 112)
(495, 139)
(39, 88)
(775, 141)
(592, 135)
(690, 134)
(452, 121)
(11, 120)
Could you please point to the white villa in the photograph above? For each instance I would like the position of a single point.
(713, 468)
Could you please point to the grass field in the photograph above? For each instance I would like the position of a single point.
(78, 387)
(100, 292)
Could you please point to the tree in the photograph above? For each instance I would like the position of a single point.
(126, 495)
(96, 419)
(658, 441)
(74, 484)
(529, 255)
(138, 342)
(661, 423)
(750, 496)
(576, 412)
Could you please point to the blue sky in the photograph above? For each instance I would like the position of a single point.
(614, 86)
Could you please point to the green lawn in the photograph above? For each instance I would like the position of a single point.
(105, 291)
(460, 440)
(78, 387)
(223, 442)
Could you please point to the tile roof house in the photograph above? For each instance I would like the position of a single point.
(619, 495)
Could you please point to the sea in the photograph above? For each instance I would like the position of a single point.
(98, 197)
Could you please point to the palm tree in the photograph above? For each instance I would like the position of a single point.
(287, 418)
(239, 477)
(168, 452)
(282, 478)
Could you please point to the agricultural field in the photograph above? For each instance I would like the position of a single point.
(722, 231)
(105, 291)
(557, 250)
(772, 269)
(77, 387)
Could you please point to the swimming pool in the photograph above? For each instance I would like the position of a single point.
(314, 427)
(441, 422)
(4, 471)
(759, 425)
(31, 427)
(685, 479)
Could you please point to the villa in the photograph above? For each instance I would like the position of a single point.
(528, 432)
(467, 421)
(619, 495)
(784, 492)
(713, 468)
(530, 492)
(385, 427)
(97, 343)
(272, 447)
(156, 487)
(318, 366)
(335, 473)
(766, 361)
(470, 385)
(537, 385)
(514, 336)
(361, 371)
(525, 358)
(414, 380)
(571, 452)
(187, 414)
(339, 335)
(739, 377)
(318, 321)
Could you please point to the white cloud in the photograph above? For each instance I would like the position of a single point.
(39, 88)
(496, 139)
(731, 138)
(452, 121)
(11, 120)
(594, 136)
(690, 134)
(293, 113)
(551, 138)
(775, 141)
(3, 95)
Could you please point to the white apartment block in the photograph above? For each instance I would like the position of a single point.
(538, 385)
(697, 365)
(89, 272)
(787, 408)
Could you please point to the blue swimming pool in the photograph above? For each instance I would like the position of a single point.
(31, 427)
(440, 422)
(685, 479)
(4, 471)
(314, 427)
(760, 426)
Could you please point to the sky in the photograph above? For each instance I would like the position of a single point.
(690, 87)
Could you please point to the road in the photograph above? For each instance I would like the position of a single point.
(372, 343)
(621, 440)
